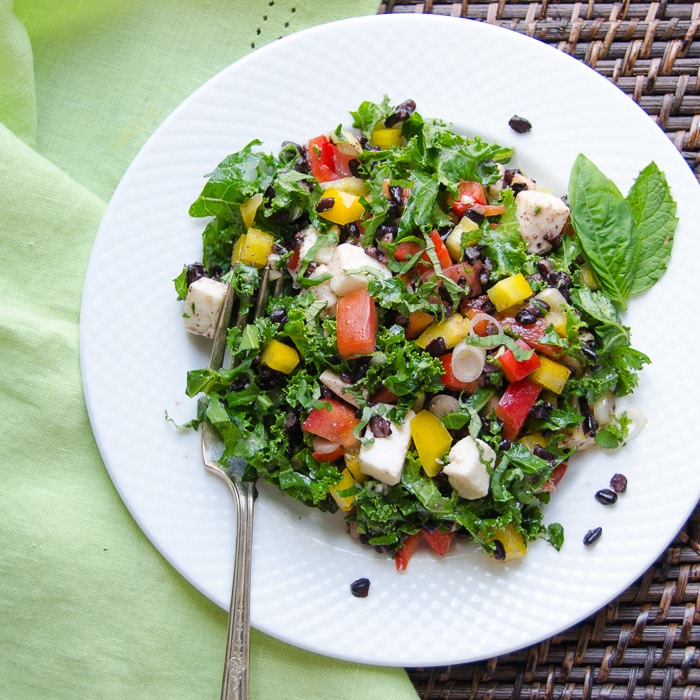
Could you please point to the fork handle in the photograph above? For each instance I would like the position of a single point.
(235, 683)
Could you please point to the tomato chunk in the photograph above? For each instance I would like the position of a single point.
(468, 194)
(356, 324)
(335, 424)
(439, 541)
(515, 404)
(450, 381)
(325, 450)
(406, 552)
(513, 369)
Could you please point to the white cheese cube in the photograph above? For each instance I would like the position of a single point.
(466, 467)
(384, 458)
(347, 265)
(322, 291)
(539, 214)
(203, 303)
(309, 239)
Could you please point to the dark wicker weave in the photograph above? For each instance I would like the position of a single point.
(645, 643)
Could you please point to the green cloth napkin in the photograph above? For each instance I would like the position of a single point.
(88, 608)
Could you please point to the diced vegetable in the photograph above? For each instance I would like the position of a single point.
(515, 404)
(253, 248)
(431, 439)
(346, 207)
(418, 321)
(249, 208)
(280, 357)
(513, 369)
(460, 236)
(450, 381)
(451, 330)
(325, 450)
(551, 375)
(384, 137)
(438, 540)
(514, 546)
(406, 551)
(327, 161)
(335, 423)
(346, 482)
(352, 463)
(509, 291)
(441, 251)
(356, 324)
(468, 194)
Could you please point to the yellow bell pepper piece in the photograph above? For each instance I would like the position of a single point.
(253, 248)
(346, 482)
(587, 276)
(452, 330)
(432, 441)
(509, 291)
(351, 184)
(550, 374)
(280, 357)
(346, 207)
(453, 242)
(352, 464)
(532, 440)
(249, 209)
(384, 137)
(557, 319)
(513, 544)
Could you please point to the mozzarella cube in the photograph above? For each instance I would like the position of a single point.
(322, 291)
(309, 238)
(347, 265)
(466, 467)
(203, 303)
(384, 458)
(540, 216)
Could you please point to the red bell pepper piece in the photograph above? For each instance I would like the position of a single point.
(513, 369)
(356, 324)
(439, 541)
(515, 404)
(407, 249)
(334, 424)
(441, 251)
(406, 552)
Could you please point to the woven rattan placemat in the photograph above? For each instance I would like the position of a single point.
(644, 644)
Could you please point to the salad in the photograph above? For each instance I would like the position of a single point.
(444, 334)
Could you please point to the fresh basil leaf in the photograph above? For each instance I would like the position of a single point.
(604, 222)
(654, 211)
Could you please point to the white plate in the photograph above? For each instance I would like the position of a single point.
(135, 353)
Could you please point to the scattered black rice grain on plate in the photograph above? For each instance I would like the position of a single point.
(592, 536)
(606, 496)
(360, 588)
(618, 482)
(519, 124)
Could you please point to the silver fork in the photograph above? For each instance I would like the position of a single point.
(236, 682)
